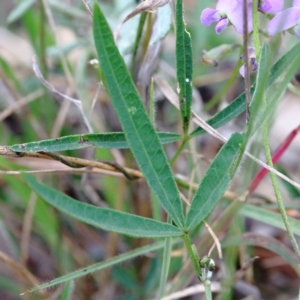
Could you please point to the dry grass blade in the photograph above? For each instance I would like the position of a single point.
(193, 290)
(148, 5)
(216, 241)
(51, 88)
(87, 7)
(24, 101)
(60, 119)
(173, 98)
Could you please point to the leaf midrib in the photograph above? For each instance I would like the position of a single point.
(140, 140)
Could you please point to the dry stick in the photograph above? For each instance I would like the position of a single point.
(107, 168)
(24, 101)
(74, 162)
(87, 7)
(77, 164)
(63, 171)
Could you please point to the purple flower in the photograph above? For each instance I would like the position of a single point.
(270, 7)
(252, 62)
(285, 20)
(227, 12)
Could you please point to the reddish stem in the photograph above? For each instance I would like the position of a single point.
(276, 156)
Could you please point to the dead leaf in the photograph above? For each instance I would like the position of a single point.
(148, 5)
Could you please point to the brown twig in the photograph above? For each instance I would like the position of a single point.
(73, 161)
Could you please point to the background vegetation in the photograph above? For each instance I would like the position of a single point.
(38, 243)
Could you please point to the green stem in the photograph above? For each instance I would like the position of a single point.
(147, 35)
(195, 260)
(207, 287)
(156, 207)
(255, 28)
(185, 140)
(137, 40)
(246, 59)
(278, 196)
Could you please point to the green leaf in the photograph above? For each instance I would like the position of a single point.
(238, 106)
(9, 73)
(140, 133)
(184, 67)
(19, 10)
(105, 218)
(102, 265)
(125, 278)
(104, 140)
(257, 100)
(215, 181)
(268, 217)
(275, 93)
